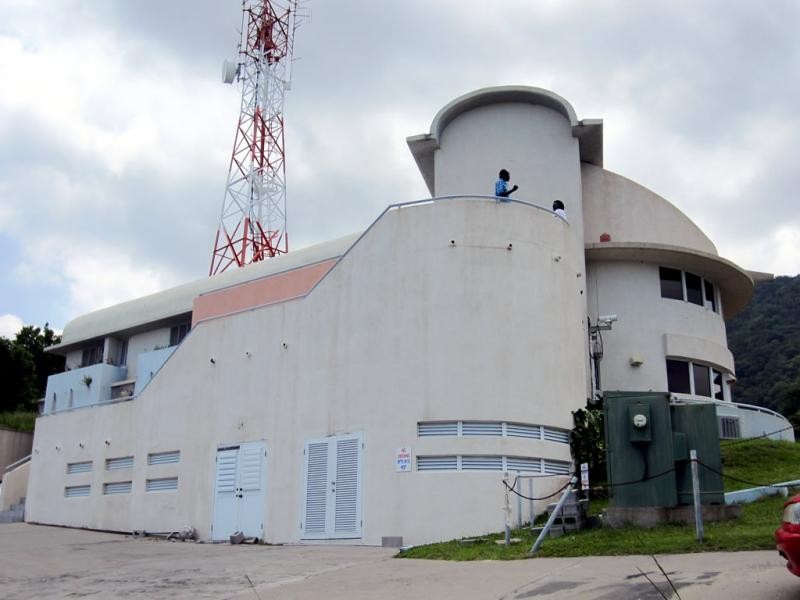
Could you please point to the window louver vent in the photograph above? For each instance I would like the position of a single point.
(118, 487)
(164, 458)
(481, 463)
(556, 467)
(729, 428)
(437, 463)
(472, 428)
(123, 462)
(533, 432)
(77, 491)
(556, 435)
(165, 484)
(524, 465)
(79, 467)
(436, 429)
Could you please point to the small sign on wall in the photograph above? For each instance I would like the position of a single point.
(585, 476)
(402, 461)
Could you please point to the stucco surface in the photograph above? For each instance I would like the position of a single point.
(13, 446)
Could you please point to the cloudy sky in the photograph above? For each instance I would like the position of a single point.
(115, 130)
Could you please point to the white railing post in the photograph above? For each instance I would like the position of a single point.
(698, 507)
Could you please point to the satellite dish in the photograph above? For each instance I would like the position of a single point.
(229, 71)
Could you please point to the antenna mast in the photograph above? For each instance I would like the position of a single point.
(252, 224)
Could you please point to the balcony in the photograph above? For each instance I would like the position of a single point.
(86, 386)
(148, 364)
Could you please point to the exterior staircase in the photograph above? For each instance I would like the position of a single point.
(15, 514)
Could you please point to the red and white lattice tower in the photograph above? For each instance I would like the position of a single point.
(252, 225)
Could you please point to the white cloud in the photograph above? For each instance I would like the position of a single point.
(10, 325)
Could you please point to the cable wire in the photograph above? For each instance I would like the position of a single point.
(511, 489)
(732, 478)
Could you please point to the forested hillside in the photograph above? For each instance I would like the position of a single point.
(765, 341)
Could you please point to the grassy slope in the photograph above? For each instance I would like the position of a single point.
(18, 421)
(757, 461)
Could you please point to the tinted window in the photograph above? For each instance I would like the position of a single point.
(711, 301)
(716, 385)
(694, 289)
(678, 377)
(702, 384)
(671, 286)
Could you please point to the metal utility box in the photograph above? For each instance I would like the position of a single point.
(698, 425)
(647, 446)
(639, 451)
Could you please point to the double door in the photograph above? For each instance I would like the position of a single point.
(240, 490)
(332, 494)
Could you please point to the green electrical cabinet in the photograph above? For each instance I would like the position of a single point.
(647, 449)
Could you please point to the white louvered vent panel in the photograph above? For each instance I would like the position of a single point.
(729, 428)
(118, 487)
(226, 470)
(165, 484)
(250, 468)
(473, 428)
(533, 432)
(437, 429)
(77, 491)
(524, 465)
(123, 462)
(346, 500)
(481, 463)
(556, 435)
(316, 487)
(556, 467)
(79, 467)
(164, 458)
(437, 463)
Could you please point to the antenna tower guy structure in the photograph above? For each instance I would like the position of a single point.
(252, 225)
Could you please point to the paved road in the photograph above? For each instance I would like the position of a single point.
(53, 562)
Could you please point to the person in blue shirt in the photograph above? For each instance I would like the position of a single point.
(501, 185)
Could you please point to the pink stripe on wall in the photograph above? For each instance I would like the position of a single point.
(267, 290)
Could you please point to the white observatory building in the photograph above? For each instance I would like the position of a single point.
(378, 386)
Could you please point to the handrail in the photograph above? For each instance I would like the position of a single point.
(17, 463)
(741, 405)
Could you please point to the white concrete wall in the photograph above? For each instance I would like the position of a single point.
(650, 327)
(146, 341)
(15, 485)
(406, 328)
(71, 390)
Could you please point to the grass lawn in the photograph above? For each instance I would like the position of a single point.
(18, 421)
(757, 461)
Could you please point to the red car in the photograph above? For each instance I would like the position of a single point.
(787, 536)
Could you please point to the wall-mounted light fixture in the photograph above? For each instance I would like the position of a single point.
(212, 361)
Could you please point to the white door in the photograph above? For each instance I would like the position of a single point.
(240, 489)
(332, 495)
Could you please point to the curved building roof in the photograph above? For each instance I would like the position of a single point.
(164, 307)
(588, 131)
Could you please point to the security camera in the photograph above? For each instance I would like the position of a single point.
(607, 318)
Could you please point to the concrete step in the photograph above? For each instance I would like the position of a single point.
(9, 517)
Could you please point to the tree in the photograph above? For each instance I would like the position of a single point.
(35, 340)
(18, 374)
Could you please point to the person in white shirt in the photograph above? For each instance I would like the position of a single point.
(558, 209)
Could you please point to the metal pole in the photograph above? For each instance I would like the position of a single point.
(519, 504)
(698, 507)
(507, 510)
(531, 508)
(546, 529)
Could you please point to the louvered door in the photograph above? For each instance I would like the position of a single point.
(332, 495)
(240, 491)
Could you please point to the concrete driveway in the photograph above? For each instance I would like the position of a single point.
(53, 562)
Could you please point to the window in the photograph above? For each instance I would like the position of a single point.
(681, 285)
(671, 283)
(177, 333)
(92, 356)
(687, 377)
(122, 355)
(678, 377)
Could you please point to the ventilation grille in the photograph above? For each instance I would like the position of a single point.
(437, 429)
(729, 428)
(524, 465)
(437, 463)
(493, 429)
(123, 462)
(165, 484)
(556, 435)
(556, 467)
(481, 463)
(164, 458)
(533, 432)
(118, 487)
(79, 467)
(77, 491)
